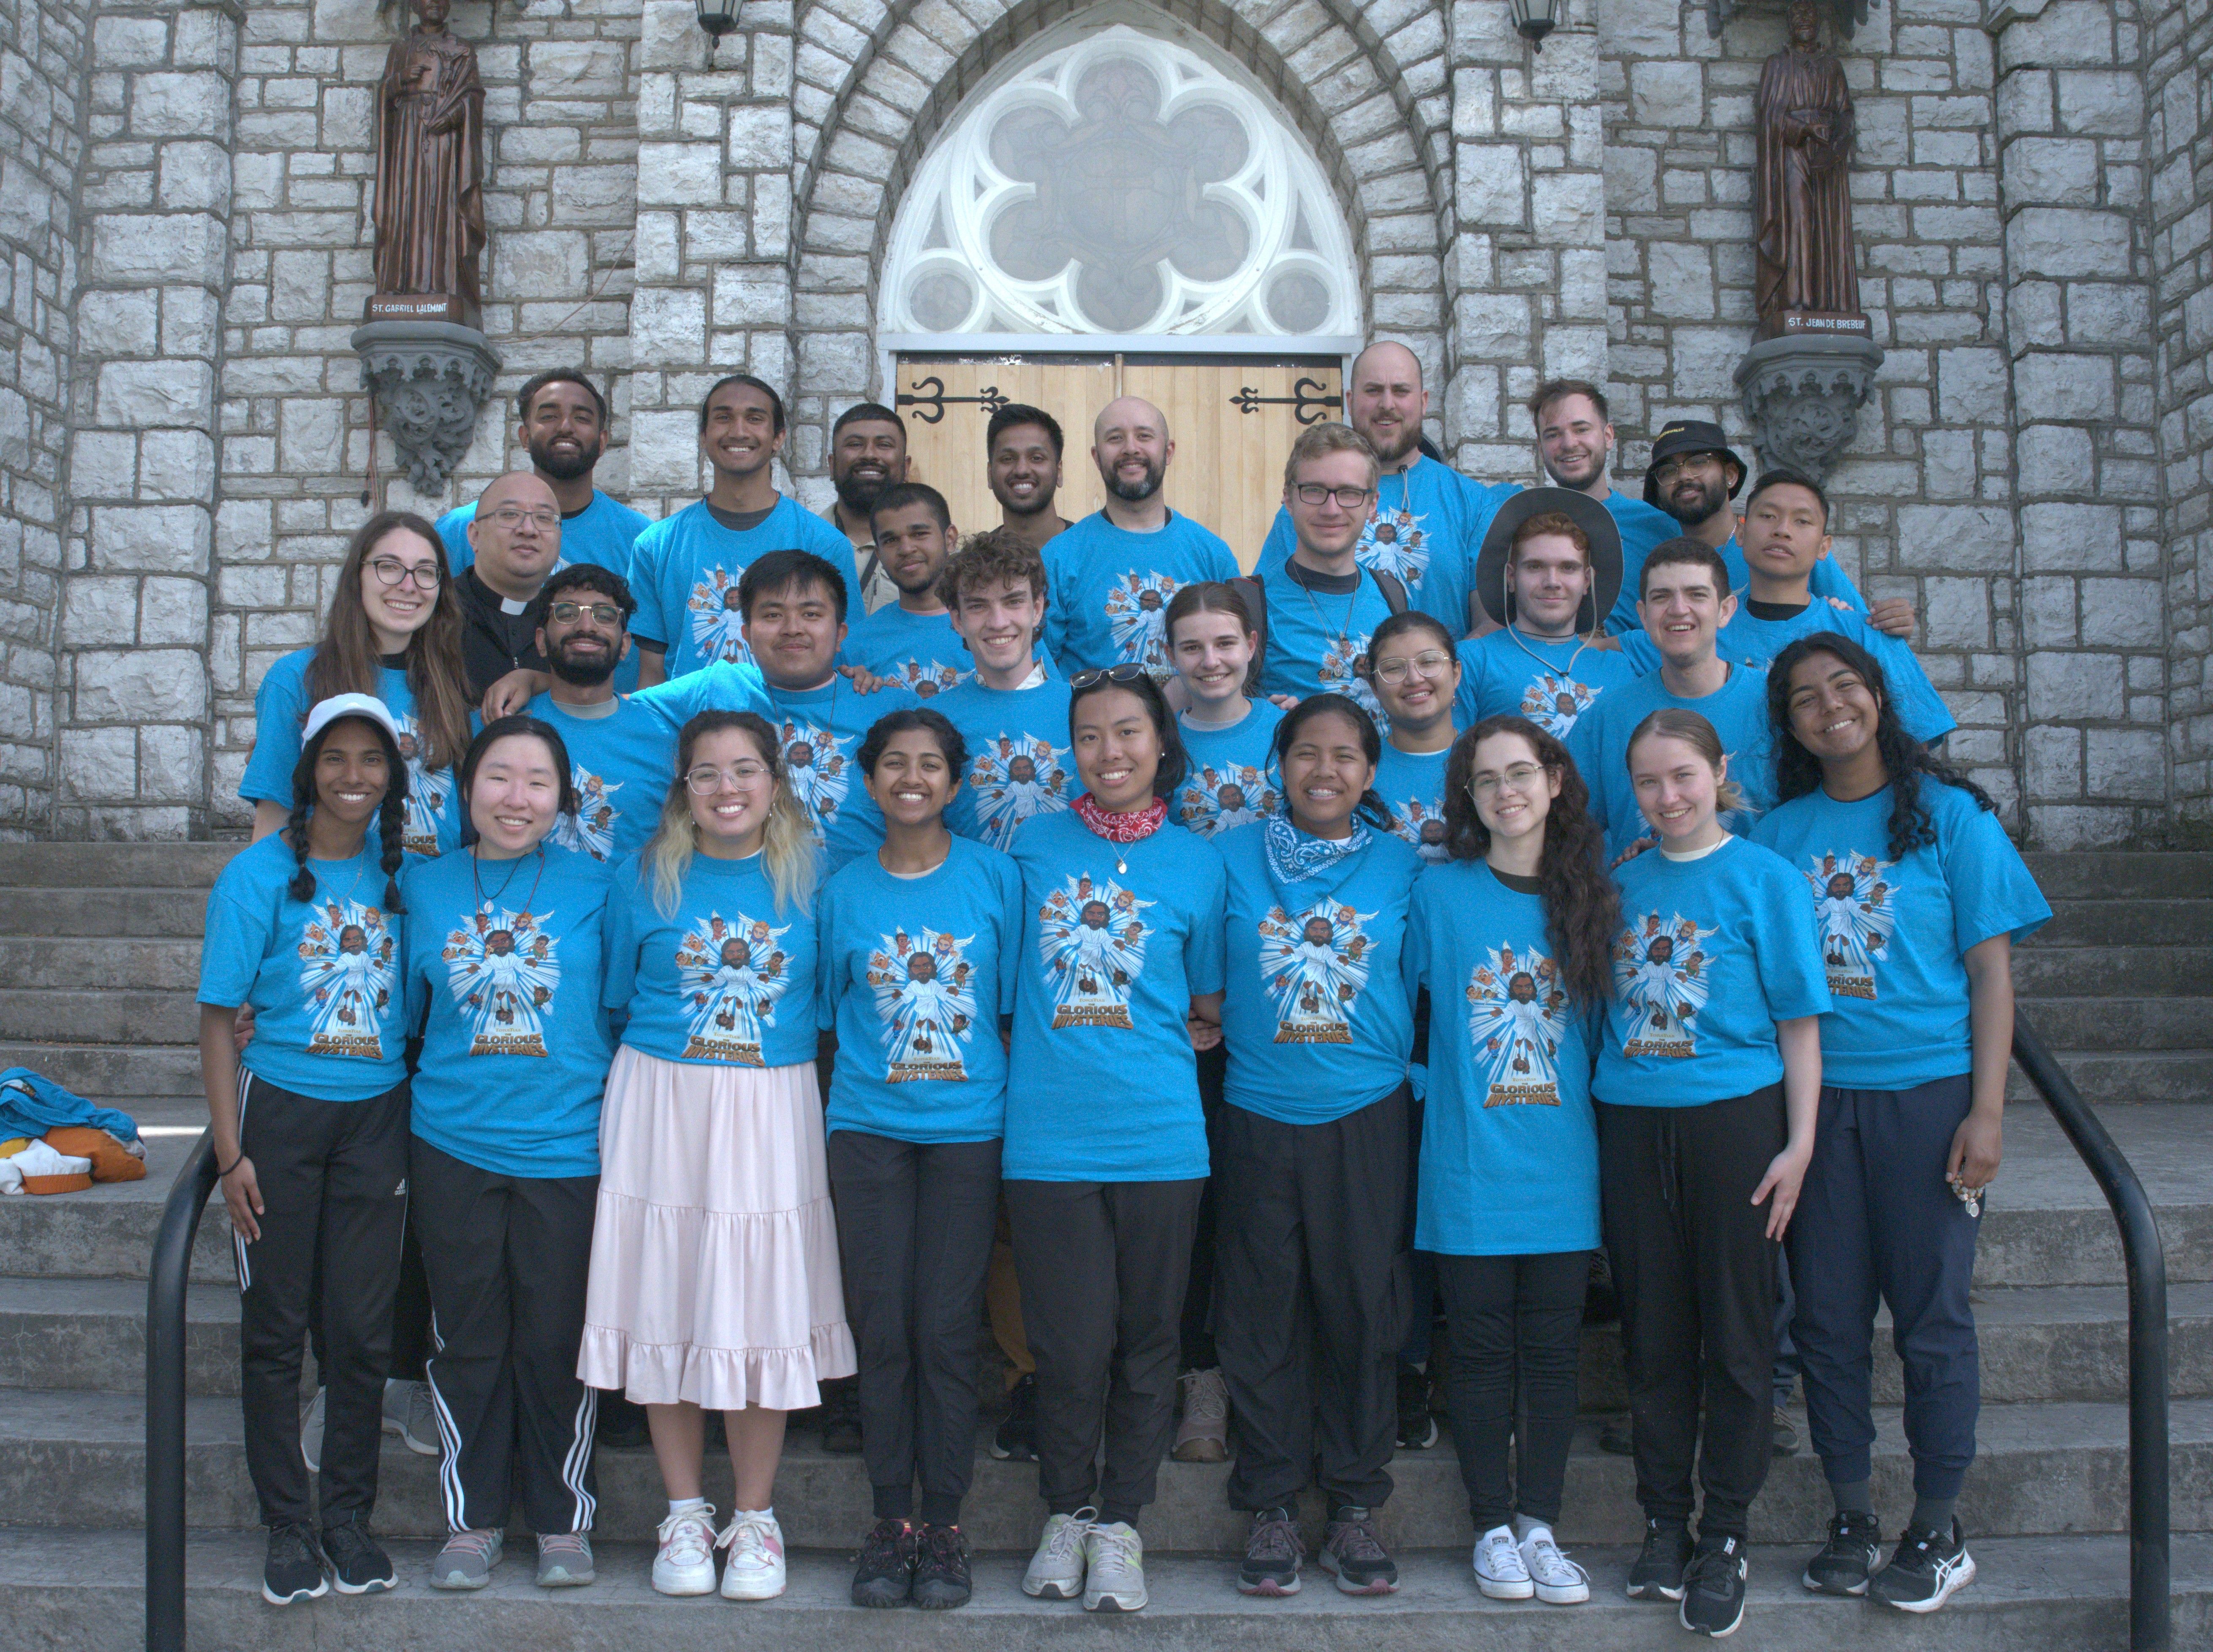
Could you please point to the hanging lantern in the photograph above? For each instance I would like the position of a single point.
(717, 17)
(1532, 19)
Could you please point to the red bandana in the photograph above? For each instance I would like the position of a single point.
(1117, 827)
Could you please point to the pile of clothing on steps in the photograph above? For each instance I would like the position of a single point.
(53, 1141)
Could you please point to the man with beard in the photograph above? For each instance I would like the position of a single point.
(516, 535)
(1574, 444)
(1427, 520)
(868, 453)
(911, 642)
(1111, 576)
(1023, 447)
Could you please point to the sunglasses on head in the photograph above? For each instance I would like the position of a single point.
(1128, 671)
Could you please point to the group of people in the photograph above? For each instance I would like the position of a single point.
(706, 960)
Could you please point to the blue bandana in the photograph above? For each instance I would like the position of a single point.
(1294, 855)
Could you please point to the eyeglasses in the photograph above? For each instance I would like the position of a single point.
(706, 780)
(605, 613)
(1313, 493)
(1128, 671)
(390, 570)
(1519, 777)
(1669, 470)
(511, 516)
(1431, 662)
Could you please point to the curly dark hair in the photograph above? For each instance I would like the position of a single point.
(1905, 760)
(1371, 807)
(1582, 907)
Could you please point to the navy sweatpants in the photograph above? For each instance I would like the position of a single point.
(1877, 1219)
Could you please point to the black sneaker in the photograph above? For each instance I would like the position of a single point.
(1016, 1438)
(294, 1570)
(1658, 1573)
(1350, 1549)
(940, 1569)
(1272, 1553)
(1928, 1567)
(884, 1575)
(1850, 1557)
(1713, 1587)
(841, 1416)
(1602, 1300)
(1417, 1424)
(358, 1566)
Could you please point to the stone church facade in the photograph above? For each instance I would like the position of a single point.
(185, 442)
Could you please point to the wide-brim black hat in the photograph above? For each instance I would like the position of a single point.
(1587, 514)
(1690, 436)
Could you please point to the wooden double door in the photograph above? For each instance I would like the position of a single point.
(1233, 420)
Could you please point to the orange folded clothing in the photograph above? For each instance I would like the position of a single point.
(111, 1160)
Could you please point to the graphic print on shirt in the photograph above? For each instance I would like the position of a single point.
(1419, 822)
(427, 790)
(346, 969)
(821, 773)
(1394, 542)
(927, 679)
(1857, 911)
(1661, 976)
(1014, 777)
(1516, 1013)
(1222, 795)
(1553, 700)
(926, 998)
(1314, 964)
(716, 621)
(732, 972)
(502, 969)
(1093, 942)
(1137, 619)
(591, 830)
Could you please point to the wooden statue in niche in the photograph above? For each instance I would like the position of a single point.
(1805, 282)
(430, 176)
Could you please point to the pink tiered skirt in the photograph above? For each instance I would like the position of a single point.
(715, 1257)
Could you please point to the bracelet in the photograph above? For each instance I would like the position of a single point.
(235, 1163)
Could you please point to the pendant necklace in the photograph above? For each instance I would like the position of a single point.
(475, 880)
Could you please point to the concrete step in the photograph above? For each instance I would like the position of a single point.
(72, 1591)
(131, 911)
(2164, 921)
(122, 1070)
(78, 1459)
(54, 963)
(104, 866)
(2128, 1078)
(2110, 873)
(2093, 1024)
(98, 1016)
(2040, 972)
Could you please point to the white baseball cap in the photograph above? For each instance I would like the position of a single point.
(324, 713)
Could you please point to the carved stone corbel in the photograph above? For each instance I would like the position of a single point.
(1803, 392)
(430, 379)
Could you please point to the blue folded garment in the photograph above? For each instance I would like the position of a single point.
(32, 1104)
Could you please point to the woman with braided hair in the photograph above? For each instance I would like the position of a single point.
(310, 1126)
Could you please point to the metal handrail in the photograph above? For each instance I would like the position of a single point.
(166, 1280)
(2145, 1258)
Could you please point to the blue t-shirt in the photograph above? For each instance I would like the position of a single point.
(1315, 637)
(280, 711)
(509, 956)
(1509, 1143)
(684, 570)
(1894, 935)
(602, 533)
(1108, 589)
(623, 765)
(1599, 746)
(1317, 1018)
(1640, 534)
(915, 974)
(1426, 531)
(1226, 783)
(920, 652)
(1020, 760)
(1711, 953)
(727, 982)
(1106, 1088)
(1413, 784)
(323, 976)
(1552, 681)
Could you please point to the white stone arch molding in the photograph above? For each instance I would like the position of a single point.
(1119, 176)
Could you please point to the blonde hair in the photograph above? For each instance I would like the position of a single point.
(1675, 722)
(788, 847)
(1320, 441)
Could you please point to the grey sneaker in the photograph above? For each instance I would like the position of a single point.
(564, 1560)
(311, 1434)
(466, 1561)
(1114, 1568)
(1351, 1552)
(409, 1413)
(1203, 1437)
(1055, 1570)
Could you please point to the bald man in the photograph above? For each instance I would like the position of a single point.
(1427, 521)
(516, 537)
(1109, 578)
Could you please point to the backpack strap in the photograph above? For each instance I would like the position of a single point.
(1394, 594)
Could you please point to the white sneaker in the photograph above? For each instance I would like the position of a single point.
(1114, 1568)
(1203, 1437)
(1499, 1571)
(685, 1562)
(409, 1413)
(1560, 1581)
(311, 1434)
(1055, 1570)
(755, 1571)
